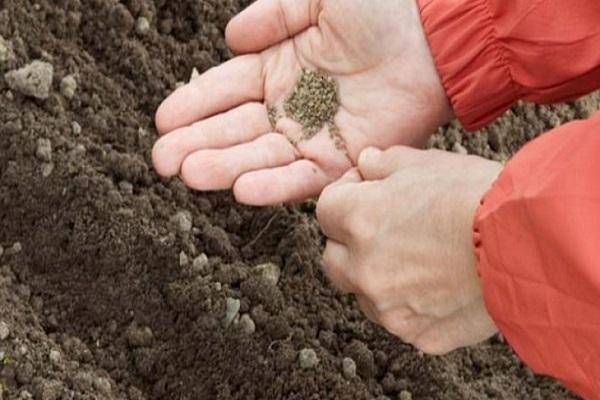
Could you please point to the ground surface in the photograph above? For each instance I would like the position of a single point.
(107, 294)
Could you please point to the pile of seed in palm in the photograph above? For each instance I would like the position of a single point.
(314, 102)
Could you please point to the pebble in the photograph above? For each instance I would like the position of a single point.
(200, 263)
(16, 248)
(459, 148)
(4, 330)
(25, 395)
(270, 272)
(43, 150)
(308, 359)
(232, 310)
(47, 169)
(405, 395)
(6, 51)
(55, 357)
(34, 80)
(195, 74)
(76, 128)
(247, 324)
(103, 386)
(183, 259)
(183, 222)
(68, 86)
(349, 368)
(142, 26)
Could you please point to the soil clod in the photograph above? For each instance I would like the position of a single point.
(68, 86)
(34, 80)
(308, 359)
(43, 150)
(314, 102)
(349, 368)
(4, 330)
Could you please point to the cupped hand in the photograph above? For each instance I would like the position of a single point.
(401, 241)
(216, 132)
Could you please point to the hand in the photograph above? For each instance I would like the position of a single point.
(216, 130)
(401, 241)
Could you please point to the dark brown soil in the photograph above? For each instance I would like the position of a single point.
(107, 296)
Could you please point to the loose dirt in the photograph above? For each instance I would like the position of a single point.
(116, 284)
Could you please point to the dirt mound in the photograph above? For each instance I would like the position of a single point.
(115, 284)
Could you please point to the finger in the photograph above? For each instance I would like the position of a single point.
(368, 309)
(336, 265)
(298, 181)
(406, 327)
(351, 176)
(335, 205)
(237, 126)
(218, 169)
(267, 22)
(375, 164)
(220, 88)
(464, 328)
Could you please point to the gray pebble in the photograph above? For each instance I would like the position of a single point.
(308, 359)
(200, 263)
(4, 330)
(459, 148)
(232, 310)
(55, 357)
(76, 128)
(349, 368)
(68, 86)
(183, 221)
(25, 395)
(47, 169)
(6, 51)
(142, 26)
(33, 80)
(43, 151)
(269, 272)
(405, 395)
(247, 324)
(183, 259)
(195, 74)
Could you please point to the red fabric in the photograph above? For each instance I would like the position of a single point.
(537, 232)
(537, 237)
(491, 53)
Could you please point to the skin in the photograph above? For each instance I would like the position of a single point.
(401, 241)
(399, 222)
(216, 133)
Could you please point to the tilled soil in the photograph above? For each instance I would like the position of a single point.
(115, 284)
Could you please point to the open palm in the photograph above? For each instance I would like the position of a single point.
(216, 131)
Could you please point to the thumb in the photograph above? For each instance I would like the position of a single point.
(268, 22)
(375, 164)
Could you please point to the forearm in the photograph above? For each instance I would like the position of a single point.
(491, 53)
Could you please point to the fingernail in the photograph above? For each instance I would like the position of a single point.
(368, 153)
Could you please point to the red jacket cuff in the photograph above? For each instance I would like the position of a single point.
(469, 59)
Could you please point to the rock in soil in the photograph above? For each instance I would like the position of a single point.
(68, 86)
(308, 359)
(43, 150)
(349, 368)
(4, 330)
(231, 311)
(269, 272)
(6, 51)
(247, 324)
(33, 80)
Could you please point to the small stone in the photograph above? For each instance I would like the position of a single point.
(55, 357)
(231, 311)
(16, 248)
(4, 330)
(47, 169)
(183, 259)
(247, 324)
(25, 395)
(139, 337)
(459, 148)
(68, 86)
(218, 286)
(76, 128)
(270, 272)
(195, 74)
(34, 80)
(6, 51)
(308, 359)
(183, 222)
(142, 26)
(126, 187)
(179, 84)
(200, 263)
(43, 150)
(405, 395)
(103, 386)
(349, 368)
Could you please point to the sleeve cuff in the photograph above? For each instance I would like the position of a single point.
(469, 59)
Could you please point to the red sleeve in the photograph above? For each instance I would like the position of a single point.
(490, 53)
(537, 238)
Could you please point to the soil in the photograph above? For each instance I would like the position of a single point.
(313, 103)
(116, 284)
